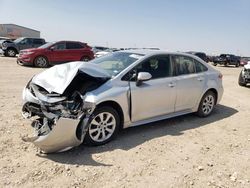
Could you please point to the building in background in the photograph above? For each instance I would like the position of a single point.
(14, 31)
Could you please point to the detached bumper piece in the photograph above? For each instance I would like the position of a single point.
(61, 136)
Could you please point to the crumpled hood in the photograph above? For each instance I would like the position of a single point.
(56, 79)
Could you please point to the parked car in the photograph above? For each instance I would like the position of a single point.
(99, 49)
(227, 59)
(55, 53)
(244, 77)
(90, 102)
(11, 48)
(244, 60)
(201, 55)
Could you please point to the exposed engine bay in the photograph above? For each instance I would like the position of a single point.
(59, 110)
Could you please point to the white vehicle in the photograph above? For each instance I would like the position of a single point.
(93, 100)
(105, 52)
(244, 77)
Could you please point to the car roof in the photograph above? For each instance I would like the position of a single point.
(69, 41)
(156, 52)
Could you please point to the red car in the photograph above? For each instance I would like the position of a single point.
(55, 53)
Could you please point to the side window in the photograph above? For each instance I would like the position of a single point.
(183, 65)
(200, 67)
(26, 41)
(59, 46)
(73, 45)
(38, 41)
(158, 67)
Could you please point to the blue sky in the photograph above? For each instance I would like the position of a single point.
(212, 26)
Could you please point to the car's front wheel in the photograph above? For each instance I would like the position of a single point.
(11, 52)
(41, 62)
(206, 105)
(103, 127)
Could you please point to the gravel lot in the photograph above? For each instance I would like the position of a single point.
(187, 151)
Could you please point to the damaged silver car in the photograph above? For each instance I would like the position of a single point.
(90, 102)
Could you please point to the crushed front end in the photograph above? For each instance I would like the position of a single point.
(61, 122)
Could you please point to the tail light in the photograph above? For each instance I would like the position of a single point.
(220, 76)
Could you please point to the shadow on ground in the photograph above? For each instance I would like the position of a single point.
(134, 136)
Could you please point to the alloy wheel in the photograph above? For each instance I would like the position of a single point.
(41, 62)
(208, 104)
(11, 53)
(102, 127)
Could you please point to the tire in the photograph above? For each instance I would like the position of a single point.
(206, 105)
(106, 122)
(41, 62)
(214, 64)
(237, 64)
(85, 59)
(11, 52)
(241, 81)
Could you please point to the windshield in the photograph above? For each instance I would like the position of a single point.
(115, 62)
(46, 45)
(18, 40)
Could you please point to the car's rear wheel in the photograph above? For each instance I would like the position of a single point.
(237, 64)
(85, 58)
(206, 105)
(103, 127)
(215, 64)
(11, 52)
(41, 62)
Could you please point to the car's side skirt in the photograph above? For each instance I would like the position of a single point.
(158, 118)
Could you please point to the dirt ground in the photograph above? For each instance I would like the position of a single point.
(187, 151)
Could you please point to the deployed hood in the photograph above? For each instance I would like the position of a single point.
(56, 79)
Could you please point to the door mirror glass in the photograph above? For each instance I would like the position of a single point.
(143, 76)
(52, 48)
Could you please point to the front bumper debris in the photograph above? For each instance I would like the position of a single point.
(54, 132)
(62, 137)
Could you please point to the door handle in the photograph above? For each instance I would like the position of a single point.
(200, 79)
(171, 84)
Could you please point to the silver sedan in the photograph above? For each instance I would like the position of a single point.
(90, 102)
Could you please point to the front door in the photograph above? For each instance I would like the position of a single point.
(155, 97)
(58, 53)
(25, 44)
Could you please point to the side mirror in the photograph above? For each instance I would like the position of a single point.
(143, 76)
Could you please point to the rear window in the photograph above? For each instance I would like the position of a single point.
(200, 67)
(74, 45)
(38, 41)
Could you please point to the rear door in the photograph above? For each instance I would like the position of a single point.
(189, 82)
(155, 97)
(74, 51)
(37, 43)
